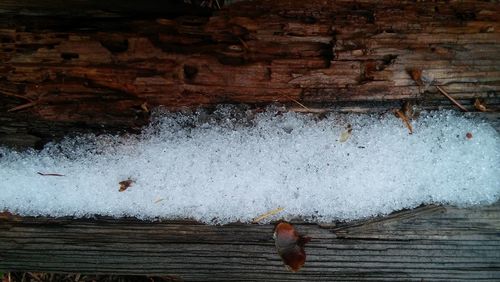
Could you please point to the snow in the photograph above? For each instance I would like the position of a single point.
(232, 166)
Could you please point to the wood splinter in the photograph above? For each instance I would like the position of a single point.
(402, 116)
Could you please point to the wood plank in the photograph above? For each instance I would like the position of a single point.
(430, 243)
(95, 62)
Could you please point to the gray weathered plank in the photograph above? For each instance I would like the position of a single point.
(430, 243)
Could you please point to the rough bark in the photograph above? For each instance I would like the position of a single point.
(430, 243)
(97, 63)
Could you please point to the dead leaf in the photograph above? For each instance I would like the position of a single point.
(346, 134)
(402, 116)
(478, 105)
(125, 184)
(410, 110)
(468, 135)
(50, 174)
(268, 214)
(290, 246)
(416, 75)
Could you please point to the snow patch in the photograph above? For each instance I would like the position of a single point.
(217, 169)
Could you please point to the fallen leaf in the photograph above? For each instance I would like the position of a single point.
(346, 134)
(478, 105)
(416, 75)
(290, 246)
(468, 135)
(125, 184)
(50, 174)
(268, 214)
(410, 110)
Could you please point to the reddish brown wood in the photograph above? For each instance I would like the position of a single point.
(97, 63)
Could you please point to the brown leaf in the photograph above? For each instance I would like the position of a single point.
(416, 75)
(410, 110)
(478, 105)
(290, 246)
(125, 184)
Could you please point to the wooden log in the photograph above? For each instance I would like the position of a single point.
(430, 243)
(95, 63)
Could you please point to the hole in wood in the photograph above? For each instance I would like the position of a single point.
(389, 59)
(69, 56)
(115, 46)
(190, 72)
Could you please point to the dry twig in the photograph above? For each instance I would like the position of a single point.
(402, 116)
(17, 96)
(23, 106)
(451, 98)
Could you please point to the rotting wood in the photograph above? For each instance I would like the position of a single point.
(430, 243)
(96, 63)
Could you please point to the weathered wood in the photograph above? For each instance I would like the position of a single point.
(431, 243)
(95, 62)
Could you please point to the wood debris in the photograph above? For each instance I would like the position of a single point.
(346, 134)
(144, 107)
(480, 106)
(268, 214)
(399, 113)
(125, 184)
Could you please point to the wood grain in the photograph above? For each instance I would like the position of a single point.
(94, 63)
(430, 243)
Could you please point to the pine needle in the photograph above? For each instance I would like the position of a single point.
(49, 174)
(298, 103)
(23, 106)
(268, 214)
(451, 98)
(402, 116)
